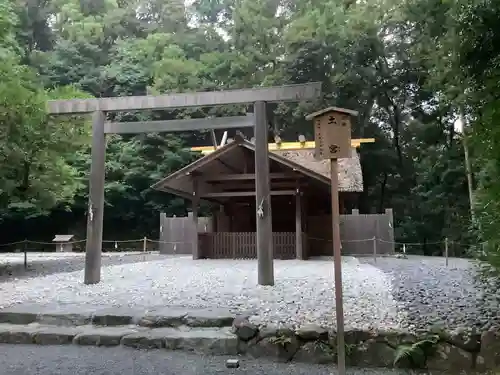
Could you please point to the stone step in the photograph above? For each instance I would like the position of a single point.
(151, 318)
(311, 344)
(209, 341)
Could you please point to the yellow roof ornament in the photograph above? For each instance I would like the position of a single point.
(302, 144)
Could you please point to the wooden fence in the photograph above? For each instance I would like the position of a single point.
(242, 245)
(176, 233)
(357, 232)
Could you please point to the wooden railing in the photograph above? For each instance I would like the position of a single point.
(242, 245)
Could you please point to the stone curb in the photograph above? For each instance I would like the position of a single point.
(311, 344)
(152, 318)
(208, 332)
(209, 341)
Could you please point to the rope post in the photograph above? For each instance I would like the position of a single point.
(25, 254)
(374, 249)
(145, 244)
(446, 250)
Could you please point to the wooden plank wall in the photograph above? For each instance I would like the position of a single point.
(356, 230)
(175, 233)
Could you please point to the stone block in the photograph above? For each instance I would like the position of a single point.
(357, 336)
(65, 319)
(394, 338)
(312, 332)
(489, 354)
(450, 358)
(55, 335)
(19, 315)
(148, 339)
(209, 318)
(466, 339)
(163, 317)
(208, 341)
(268, 331)
(244, 329)
(116, 316)
(275, 331)
(281, 348)
(103, 336)
(371, 353)
(17, 334)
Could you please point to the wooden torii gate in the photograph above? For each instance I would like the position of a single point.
(100, 106)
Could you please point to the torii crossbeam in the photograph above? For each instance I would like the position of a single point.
(100, 106)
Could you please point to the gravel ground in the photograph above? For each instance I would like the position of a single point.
(39, 264)
(413, 293)
(431, 294)
(303, 292)
(65, 360)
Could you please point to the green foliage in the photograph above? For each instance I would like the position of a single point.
(415, 355)
(281, 340)
(349, 349)
(406, 66)
(36, 175)
(323, 347)
(9, 48)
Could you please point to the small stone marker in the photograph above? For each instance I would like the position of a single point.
(232, 363)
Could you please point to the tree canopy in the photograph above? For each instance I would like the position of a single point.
(409, 67)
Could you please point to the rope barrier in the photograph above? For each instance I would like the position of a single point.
(411, 243)
(343, 241)
(149, 240)
(124, 241)
(52, 243)
(142, 247)
(12, 243)
(166, 242)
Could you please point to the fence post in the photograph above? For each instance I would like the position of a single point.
(25, 254)
(374, 249)
(390, 217)
(145, 244)
(446, 250)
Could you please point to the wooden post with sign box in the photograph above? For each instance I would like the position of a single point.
(332, 132)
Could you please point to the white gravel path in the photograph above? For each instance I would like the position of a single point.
(18, 258)
(303, 292)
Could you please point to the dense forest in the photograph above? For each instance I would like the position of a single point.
(410, 67)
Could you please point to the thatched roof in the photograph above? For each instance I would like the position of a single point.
(350, 176)
(301, 161)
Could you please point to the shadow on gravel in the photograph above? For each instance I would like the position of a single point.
(39, 267)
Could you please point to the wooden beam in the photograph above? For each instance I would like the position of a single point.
(195, 201)
(337, 264)
(290, 146)
(231, 194)
(290, 93)
(224, 139)
(299, 253)
(93, 247)
(134, 127)
(250, 185)
(214, 138)
(305, 216)
(248, 176)
(264, 230)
